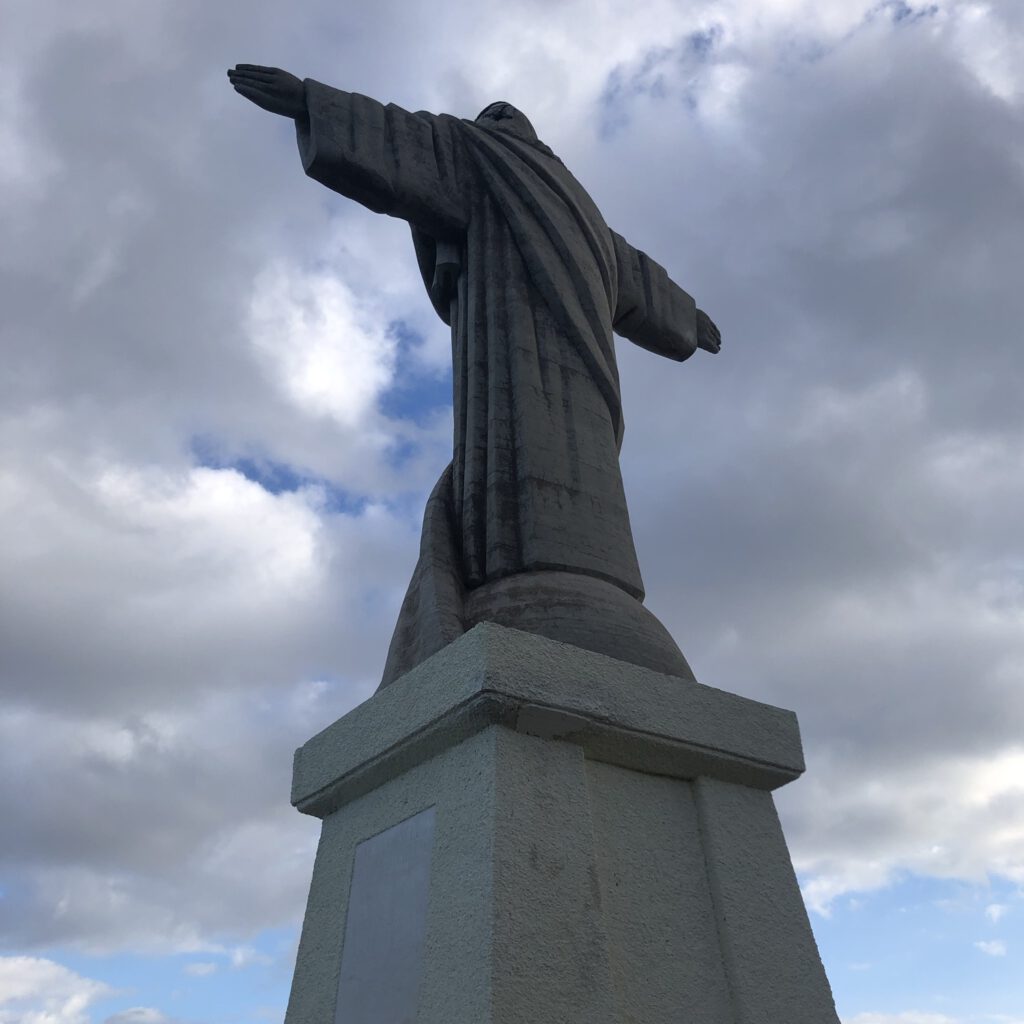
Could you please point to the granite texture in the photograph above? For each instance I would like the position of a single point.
(519, 262)
(606, 847)
(619, 713)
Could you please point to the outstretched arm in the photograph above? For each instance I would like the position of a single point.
(385, 158)
(654, 312)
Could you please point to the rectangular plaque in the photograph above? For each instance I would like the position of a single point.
(386, 925)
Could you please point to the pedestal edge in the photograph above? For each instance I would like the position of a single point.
(619, 713)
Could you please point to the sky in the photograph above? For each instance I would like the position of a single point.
(225, 397)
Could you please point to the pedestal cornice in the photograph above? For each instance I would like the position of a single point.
(619, 713)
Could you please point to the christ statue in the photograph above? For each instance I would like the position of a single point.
(527, 526)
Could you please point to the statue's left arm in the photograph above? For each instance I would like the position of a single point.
(653, 312)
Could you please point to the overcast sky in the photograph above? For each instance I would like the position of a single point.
(225, 396)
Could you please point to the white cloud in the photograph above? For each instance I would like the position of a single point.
(123, 555)
(38, 991)
(332, 354)
(245, 956)
(995, 912)
(162, 573)
(994, 947)
(139, 1015)
(949, 820)
(988, 46)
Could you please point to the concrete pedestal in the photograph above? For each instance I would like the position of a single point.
(523, 832)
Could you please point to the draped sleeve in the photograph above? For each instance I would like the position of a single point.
(385, 158)
(652, 311)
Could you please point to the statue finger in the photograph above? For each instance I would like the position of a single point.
(251, 76)
(261, 97)
(256, 67)
(241, 85)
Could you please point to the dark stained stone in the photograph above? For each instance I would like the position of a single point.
(528, 525)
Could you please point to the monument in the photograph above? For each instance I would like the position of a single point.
(541, 816)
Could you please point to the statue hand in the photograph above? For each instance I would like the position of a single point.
(708, 336)
(270, 88)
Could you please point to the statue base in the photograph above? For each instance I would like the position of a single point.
(579, 610)
(523, 831)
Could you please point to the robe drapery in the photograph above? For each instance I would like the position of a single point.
(519, 261)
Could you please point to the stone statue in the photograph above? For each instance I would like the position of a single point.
(527, 526)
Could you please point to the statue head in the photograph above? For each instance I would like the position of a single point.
(503, 117)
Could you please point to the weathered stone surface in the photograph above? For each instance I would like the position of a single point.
(767, 945)
(518, 260)
(617, 712)
(595, 857)
(580, 610)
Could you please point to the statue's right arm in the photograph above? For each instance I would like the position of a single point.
(386, 158)
(390, 160)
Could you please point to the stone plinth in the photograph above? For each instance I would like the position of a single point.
(523, 831)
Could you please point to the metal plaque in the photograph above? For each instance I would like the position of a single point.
(386, 925)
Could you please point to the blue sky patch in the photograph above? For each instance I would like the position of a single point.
(900, 12)
(252, 992)
(701, 43)
(275, 477)
(925, 944)
(650, 77)
(417, 392)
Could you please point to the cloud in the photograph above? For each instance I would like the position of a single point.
(994, 947)
(39, 991)
(331, 358)
(949, 823)
(160, 571)
(124, 879)
(995, 912)
(139, 1015)
(245, 956)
